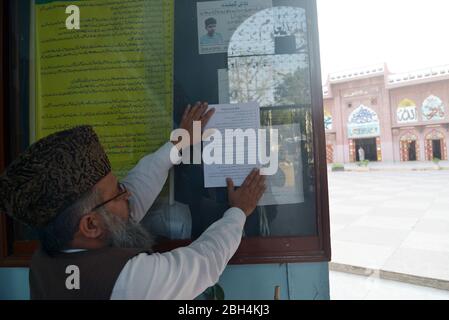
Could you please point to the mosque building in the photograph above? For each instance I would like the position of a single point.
(392, 117)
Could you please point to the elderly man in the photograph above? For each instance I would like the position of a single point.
(88, 221)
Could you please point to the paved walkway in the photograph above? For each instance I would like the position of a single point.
(401, 166)
(345, 286)
(393, 221)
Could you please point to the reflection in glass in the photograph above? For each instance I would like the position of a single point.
(292, 213)
(267, 62)
(268, 59)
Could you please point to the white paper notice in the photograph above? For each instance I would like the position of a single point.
(236, 163)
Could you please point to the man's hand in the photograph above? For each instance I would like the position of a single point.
(196, 113)
(249, 194)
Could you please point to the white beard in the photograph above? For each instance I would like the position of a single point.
(126, 234)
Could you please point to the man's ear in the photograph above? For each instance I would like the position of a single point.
(91, 226)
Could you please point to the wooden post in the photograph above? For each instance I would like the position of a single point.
(277, 293)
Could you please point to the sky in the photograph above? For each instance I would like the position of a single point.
(406, 34)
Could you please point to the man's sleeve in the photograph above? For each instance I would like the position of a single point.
(184, 273)
(146, 180)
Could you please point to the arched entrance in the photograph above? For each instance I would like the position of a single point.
(436, 146)
(409, 147)
(364, 135)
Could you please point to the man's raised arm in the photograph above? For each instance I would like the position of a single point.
(146, 180)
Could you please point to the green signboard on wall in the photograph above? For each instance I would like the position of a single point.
(114, 73)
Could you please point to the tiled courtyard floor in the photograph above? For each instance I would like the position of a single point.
(345, 286)
(391, 221)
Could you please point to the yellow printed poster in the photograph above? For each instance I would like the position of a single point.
(115, 73)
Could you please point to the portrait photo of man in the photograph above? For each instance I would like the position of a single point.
(212, 37)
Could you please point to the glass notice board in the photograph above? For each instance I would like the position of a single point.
(264, 51)
(163, 56)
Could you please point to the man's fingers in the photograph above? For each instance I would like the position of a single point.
(258, 181)
(247, 179)
(193, 111)
(205, 119)
(199, 111)
(262, 179)
(250, 178)
(202, 112)
(230, 185)
(186, 112)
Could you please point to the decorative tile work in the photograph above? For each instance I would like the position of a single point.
(379, 149)
(328, 121)
(406, 112)
(363, 123)
(330, 153)
(433, 109)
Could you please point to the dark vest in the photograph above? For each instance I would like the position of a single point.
(98, 272)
